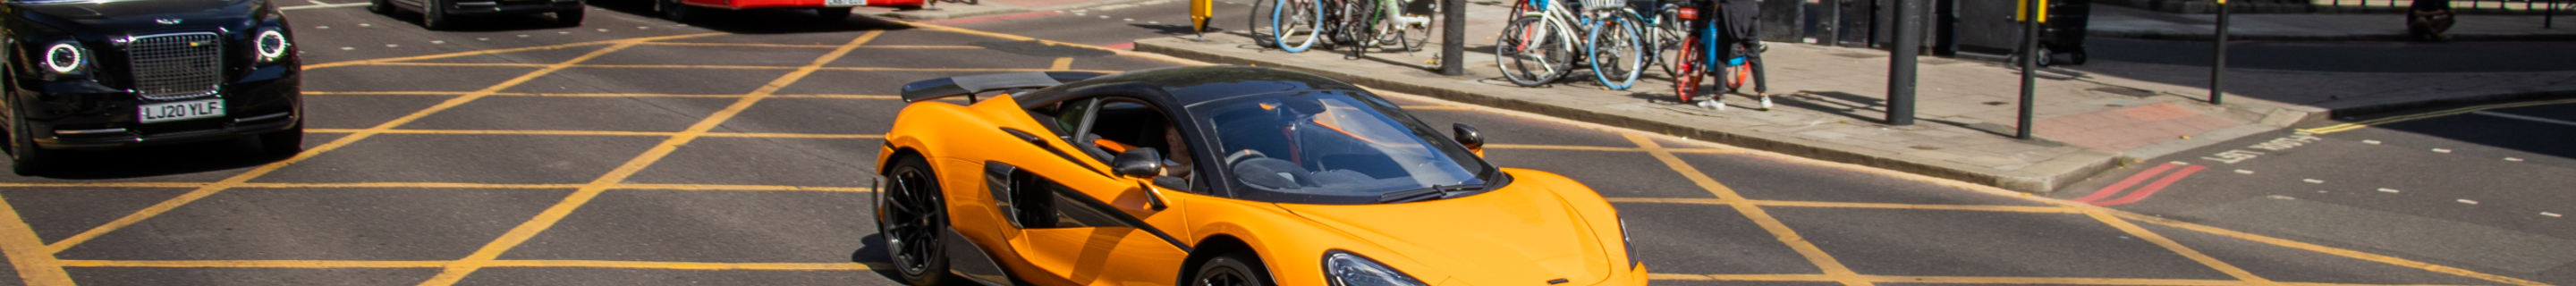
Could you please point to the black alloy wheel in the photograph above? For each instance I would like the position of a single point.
(911, 218)
(25, 158)
(1231, 269)
(433, 16)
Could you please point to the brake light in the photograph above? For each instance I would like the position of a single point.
(1690, 13)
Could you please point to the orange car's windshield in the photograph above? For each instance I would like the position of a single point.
(1332, 146)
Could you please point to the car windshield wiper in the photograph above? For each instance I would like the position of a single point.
(1433, 192)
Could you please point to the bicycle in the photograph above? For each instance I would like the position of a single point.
(1299, 25)
(1697, 53)
(1538, 47)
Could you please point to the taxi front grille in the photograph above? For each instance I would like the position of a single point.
(176, 66)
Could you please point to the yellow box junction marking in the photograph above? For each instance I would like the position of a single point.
(1815, 255)
(2412, 117)
(552, 215)
(2177, 248)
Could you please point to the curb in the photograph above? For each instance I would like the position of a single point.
(2038, 178)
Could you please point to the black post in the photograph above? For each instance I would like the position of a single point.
(1453, 39)
(2218, 62)
(1900, 68)
(2029, 63)
(2549, 16)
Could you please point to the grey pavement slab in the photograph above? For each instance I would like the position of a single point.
(2125, 22)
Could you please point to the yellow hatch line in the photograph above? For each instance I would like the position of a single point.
(628, 41)
(2426, 115)
(1817, 204)
(1983, 280)
(495, 263)
(1787, 236)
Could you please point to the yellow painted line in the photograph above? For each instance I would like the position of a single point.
(2327, 250)
(496, 51)
(796, 135)
(956, 69)
(579, 133)
(923, 47)
(682, 187)
(556, 213)
(936, 27)
(34, 261)
(2178, 248)
(211, 189)
(104, 185)
(1062, 63)
(1790, 237)
(406, 185)
(1979, 280)
(719, 67)
(813, 46)
(476, 65)
(2412, 117)
(1437, 107)
(846, 97)
(686, 265)
(1562, 147)
(254, 264)
(439, 93)
(1813, 204)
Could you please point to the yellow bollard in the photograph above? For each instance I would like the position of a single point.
(1200, 12)
(2021, 10)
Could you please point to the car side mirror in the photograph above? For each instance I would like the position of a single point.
(1145, 163)
(1467, 136)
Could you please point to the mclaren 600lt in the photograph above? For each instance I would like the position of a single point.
(1218, 176)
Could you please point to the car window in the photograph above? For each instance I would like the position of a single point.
(1118, 125)
(1331, 146)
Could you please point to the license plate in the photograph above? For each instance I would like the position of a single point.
(843, 3)
(176, 111)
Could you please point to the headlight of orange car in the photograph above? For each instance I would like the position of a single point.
(1347, 269)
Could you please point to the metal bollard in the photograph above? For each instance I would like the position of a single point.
(1453, 39)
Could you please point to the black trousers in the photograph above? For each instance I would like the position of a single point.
(1747, 45)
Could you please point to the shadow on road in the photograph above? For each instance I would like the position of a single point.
(158, 160)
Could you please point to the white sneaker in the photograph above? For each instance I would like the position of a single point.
(1766, 102)
(1712, 104)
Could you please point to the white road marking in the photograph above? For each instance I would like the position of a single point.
(564, 33)
(1104, 16)
(322, 27)
(2512, 159)
(347, 48)
(2371, 142)
(2467, 201)
(2522, 117)
(317, 2)
(2440, 150)
(392, 45)
(2281, 197)
(642, 28)
(2388, 190)
(2313, 181)
(2179, 163)
(438, 42)
(2550, 214)
(366, 25)
(324, 6)
(2244, 171)
(1129, 19)
(523, 35)
(603, 30)
(483, 39)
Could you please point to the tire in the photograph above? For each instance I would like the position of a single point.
(1531, 53)
(284, 143)
(2046, 56)
(2075, 58)
(1689, 68)
(1415, 37)
(673, 10)
(1238, 268)
(25, 157)
(1617, 51)
(1666, 41)
(833, 13)
(571, 17)
(1259, 25)
(381, 7)
(433, 16)
(910, 218)
(1295, 24)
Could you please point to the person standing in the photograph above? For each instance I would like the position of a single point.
(1740, 35)
(2427, 19)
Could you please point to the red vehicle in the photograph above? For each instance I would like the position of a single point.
(681, 10)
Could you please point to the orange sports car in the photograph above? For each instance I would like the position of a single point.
(1219, 176)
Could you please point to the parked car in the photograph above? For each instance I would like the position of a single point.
(684, 10)
(110, 74)
(441, 14)
(1219, 175)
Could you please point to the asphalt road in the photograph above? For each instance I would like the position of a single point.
(734, 151)
(2485, 186)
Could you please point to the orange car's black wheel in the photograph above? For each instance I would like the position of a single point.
(912, 219)
(1232, 269)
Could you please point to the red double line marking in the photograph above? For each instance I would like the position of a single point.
(2143, 192)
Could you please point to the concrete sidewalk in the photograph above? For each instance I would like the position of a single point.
(1830, 105)
(2126, 22)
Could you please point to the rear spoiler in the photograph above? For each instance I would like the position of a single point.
(974, 84)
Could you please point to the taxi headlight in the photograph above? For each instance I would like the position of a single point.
(1346, 269)
(271, 45)
(65, 58)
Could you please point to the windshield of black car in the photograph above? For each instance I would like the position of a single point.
(1331, 147)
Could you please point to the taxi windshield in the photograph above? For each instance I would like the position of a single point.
(1332, 147)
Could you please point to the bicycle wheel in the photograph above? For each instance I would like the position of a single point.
(1531, 52)
(1259, 22)
(1666, 39)
(1414, 31)
(1615, 52)
(1358, 26)
(1295, 24)
(1687, 68)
